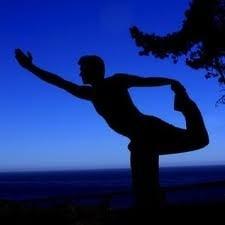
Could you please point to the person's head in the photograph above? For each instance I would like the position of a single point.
(92, 69)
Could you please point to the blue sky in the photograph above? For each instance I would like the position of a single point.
(43, 127)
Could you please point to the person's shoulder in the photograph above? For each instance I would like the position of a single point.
(118, 79)
(118, 76)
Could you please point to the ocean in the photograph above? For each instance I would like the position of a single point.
(182, 185)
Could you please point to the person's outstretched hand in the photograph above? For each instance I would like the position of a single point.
(23, 59)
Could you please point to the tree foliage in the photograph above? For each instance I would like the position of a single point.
(201, 39)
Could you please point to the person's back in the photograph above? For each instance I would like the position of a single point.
(112, 101)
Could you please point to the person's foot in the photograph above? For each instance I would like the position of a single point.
(181, 97)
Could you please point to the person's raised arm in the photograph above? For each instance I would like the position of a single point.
(26, 62)
(136, 81)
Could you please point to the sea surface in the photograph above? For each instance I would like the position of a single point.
(182, 185)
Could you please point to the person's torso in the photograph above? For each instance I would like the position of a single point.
(112, 101)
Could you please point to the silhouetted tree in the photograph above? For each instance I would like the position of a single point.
(201, 40)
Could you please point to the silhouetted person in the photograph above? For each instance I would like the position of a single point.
(149, 136)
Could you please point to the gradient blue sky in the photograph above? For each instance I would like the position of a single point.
(42, 127)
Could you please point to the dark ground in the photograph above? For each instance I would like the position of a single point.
(17, 213)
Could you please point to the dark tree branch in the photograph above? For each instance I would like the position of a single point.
(200, 40)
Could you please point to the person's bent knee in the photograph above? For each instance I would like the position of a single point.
(200, 142)
(204, 142)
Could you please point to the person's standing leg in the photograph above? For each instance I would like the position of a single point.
(145, 176)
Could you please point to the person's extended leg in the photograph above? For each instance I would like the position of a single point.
(196, 134)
